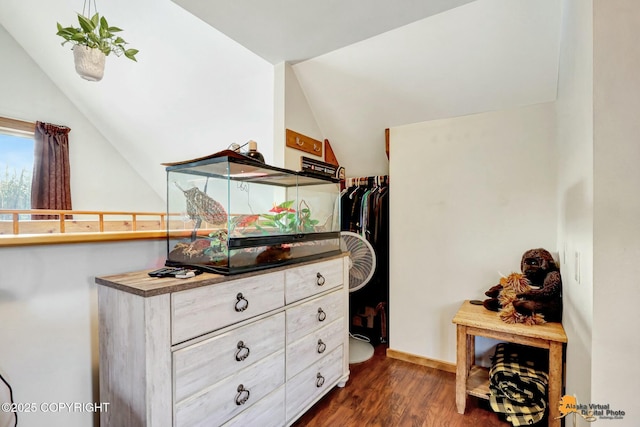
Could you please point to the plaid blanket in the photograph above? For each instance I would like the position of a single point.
(518, 383)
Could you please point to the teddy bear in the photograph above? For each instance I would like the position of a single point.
(541, 300)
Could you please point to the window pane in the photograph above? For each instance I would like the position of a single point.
(16, 167)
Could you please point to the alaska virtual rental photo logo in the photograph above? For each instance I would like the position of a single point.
(589, 412)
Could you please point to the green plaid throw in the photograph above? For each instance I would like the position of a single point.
(518, 383)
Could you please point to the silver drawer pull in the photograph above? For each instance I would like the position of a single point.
(319, 380)
(321, 315)
(242, 303)
(242, 352)
(242, 396)
(320, 279)
(321, 347)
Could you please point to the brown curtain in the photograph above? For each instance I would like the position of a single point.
(50, 188)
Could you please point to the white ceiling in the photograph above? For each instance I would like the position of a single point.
(201, 84)
(366, 65)
(483, 56)
(295, 30)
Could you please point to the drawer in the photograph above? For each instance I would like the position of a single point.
(232, 395)
(307, 280)
(199, 311)
(313, 315)
(268, 412)
(203, 364)
(314, 346)
(313, 382)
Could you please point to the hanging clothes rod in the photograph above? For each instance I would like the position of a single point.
(368, 181)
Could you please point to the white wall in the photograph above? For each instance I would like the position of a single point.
(291, 111)
(616, 216)
(574, 109)
(279, 84)
(49, 321)
(192, 92)
(469, 195)
(101, 179)
(298, 117)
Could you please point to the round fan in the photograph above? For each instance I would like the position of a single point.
(362, 259)
(362, 264)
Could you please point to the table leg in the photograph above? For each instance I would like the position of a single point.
(471, 352)
(462, 368)
(555, 382)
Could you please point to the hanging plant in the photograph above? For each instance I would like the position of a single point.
(94, 37)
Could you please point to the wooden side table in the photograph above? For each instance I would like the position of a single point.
(474, 320)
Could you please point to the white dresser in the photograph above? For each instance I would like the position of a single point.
(252, 349)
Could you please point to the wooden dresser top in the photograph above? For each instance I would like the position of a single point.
(140, 283)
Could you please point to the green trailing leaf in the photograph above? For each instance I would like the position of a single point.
(77, 37)
(95, 19)
(86, 24)
(131, 54)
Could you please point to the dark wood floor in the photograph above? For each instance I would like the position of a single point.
(389, 392)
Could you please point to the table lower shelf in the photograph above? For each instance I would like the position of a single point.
(478, 382)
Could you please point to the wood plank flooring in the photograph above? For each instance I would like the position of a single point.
(388, 392)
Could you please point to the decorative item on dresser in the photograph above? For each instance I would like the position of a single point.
(222, 350)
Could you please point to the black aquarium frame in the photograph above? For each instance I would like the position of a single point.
(309, 178)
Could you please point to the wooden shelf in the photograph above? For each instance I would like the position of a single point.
(478, 382)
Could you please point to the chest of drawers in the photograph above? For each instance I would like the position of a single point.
(222, 350)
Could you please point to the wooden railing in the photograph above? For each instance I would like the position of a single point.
(18, 228)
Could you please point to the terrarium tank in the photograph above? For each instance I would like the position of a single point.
(230, 214)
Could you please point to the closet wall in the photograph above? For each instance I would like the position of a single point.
(365, 211)
(469, 196)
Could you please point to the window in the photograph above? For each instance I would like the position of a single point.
(16, 164)
(19, 141)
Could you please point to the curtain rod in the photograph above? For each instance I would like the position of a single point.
(20, 125)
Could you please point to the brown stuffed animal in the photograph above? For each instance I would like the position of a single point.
(545, 296)
(505, 294)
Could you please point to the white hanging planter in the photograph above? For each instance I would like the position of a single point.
(89, 62)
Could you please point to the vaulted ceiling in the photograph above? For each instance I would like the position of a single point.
(206, 80)
(366, 65)
(295, 30)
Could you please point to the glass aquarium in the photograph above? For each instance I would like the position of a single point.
(229, 214)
